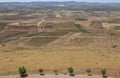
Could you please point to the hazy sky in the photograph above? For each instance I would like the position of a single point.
(61, 0)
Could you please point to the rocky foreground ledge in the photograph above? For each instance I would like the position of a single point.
(54, 76)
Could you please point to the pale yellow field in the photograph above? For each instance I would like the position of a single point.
(60, 58)
(108, 25)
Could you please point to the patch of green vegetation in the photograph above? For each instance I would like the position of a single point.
(1, 27)
(66, 27)
(61, 26)
(23, 72)
(73, 30)
(47, 34)
(78, 26)
(89, 71)
(71, 71)
(15, 34)
(34, 34)
(81, 19)
(41, 71)
(41, 41)
(44, 38)
(56, 33)
(103, 72)
(12, 34)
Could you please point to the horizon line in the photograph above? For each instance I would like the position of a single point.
(55, 1)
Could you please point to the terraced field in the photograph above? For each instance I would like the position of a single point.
(70, 44)
(38, 39)
(9, 36)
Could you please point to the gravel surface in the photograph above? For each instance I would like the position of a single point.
(54, 76)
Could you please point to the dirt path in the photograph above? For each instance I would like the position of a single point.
(64, 39)
(57, 14)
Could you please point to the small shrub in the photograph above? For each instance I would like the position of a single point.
(103, 72)
(23, 71)
(112, 34)
(56, 72)
(114, 46)
(41, 71)
(89, 71)
(3, 45)
(71, 71)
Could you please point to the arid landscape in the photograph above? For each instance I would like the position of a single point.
(58, 35)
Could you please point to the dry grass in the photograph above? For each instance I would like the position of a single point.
(95, 53)
(52, 58)
(108, 25)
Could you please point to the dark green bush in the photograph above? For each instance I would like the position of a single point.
(103, 72)
(71, 71)
(22, 70)
(88, 71)
(41, 71)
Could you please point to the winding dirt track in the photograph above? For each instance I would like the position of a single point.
(64, 39)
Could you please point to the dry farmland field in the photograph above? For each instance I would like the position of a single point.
(57, 39)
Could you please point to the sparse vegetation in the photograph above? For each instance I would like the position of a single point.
(23, 72)
(81, 19)
(103, 72)
(56, 72)
(41, 41)
(114, 46)
(3, 45)
(57, 33)
(80, 28)
(41, 71)
(1, 27)
(89, 72)
(71, 71)
(70, 33)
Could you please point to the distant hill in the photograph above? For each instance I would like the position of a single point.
(55, 6)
